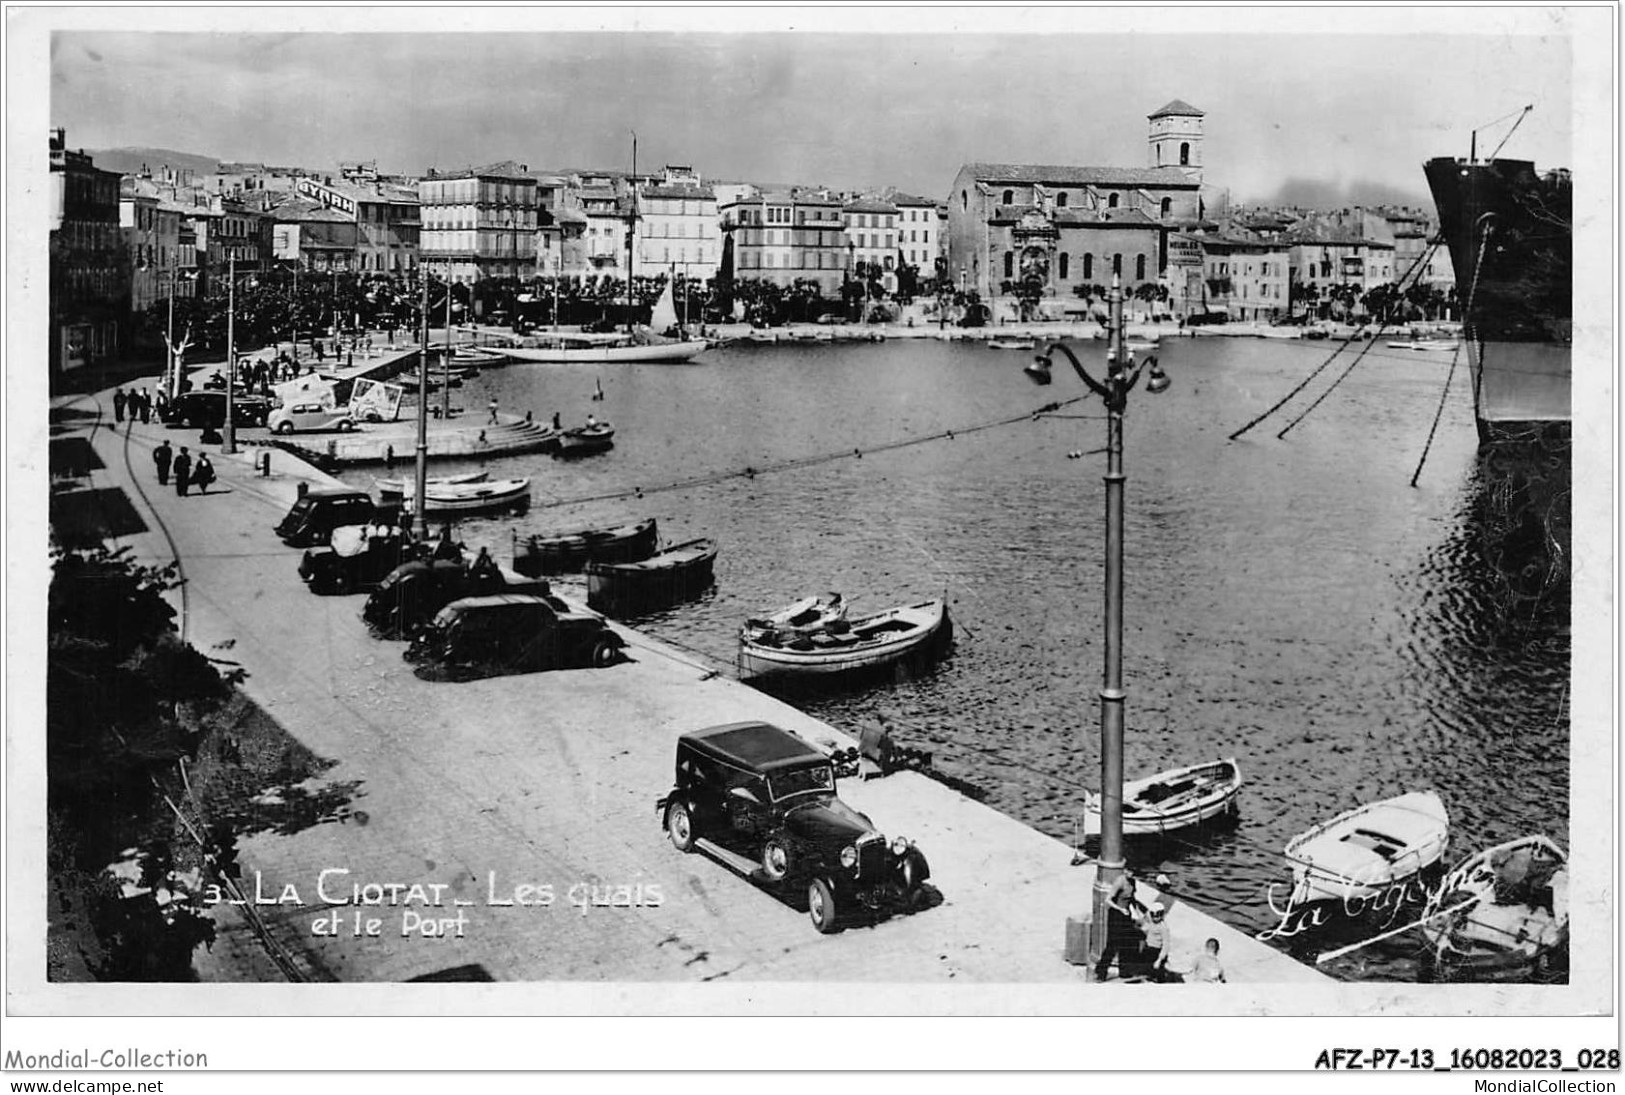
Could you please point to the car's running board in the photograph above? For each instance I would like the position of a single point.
(749, 867)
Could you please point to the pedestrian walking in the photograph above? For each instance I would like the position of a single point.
(162, 456)
(203, 473)
(183, 469)
(493, 407)
(118, 405)
(146, 406)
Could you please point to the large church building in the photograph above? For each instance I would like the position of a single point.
(1067, 227)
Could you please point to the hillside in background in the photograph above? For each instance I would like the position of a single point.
(128, 161)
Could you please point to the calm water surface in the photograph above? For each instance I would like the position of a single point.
(1293, 602)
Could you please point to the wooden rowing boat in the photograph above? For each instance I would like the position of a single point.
(1503, 910)
(1175, 799)
(1360, 852)
(675, 574)
(564, 552)
(845, 646)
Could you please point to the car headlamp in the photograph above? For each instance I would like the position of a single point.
(899, 845)
(849, 857)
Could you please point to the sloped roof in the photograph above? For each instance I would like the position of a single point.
(1331, 235)
(305, 209)
(1063, 175)
(1077, 216)
(868, 205)
(1178, 107)
(678, 190)
(907, 200)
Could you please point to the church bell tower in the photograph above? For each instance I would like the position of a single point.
(1175, 139)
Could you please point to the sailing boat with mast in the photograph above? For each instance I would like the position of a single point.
(635, 344)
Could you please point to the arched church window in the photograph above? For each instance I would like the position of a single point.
(1111, 201)
(1167, 206)
(1065, 264)
(1060, 200)
(1184, 153)
(1009, 264)
(1139, 267)
(1088, 267)
(1009, 197)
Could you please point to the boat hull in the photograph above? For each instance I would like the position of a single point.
(1499, 920)
(678, 574)
(1510, 236)
(928, 625)
(473, 498)
(1176, 799)
(540, 555)
(657, 354)
(1359, 854)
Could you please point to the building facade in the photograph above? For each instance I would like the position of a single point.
(1248, 279)
(1063, 226)
(789, 236)
(918, 237)
(386, 216)
(479, 223)
(871, 236)
(89, 274)
(309, 235)
(677, 227)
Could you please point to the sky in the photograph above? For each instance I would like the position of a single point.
(845, 97)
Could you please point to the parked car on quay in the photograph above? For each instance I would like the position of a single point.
(307, 417)
(510, 633)
(358, 558)
(207, 410)
(315, 514)
(764, 801)
(410, 595)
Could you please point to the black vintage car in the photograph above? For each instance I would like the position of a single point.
(411, 594)
(315, 514)
(511, 633)
(207, 409)
(356, 567)
(765, 800)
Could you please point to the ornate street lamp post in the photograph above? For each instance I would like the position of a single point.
(1121, 376)
(230, 445)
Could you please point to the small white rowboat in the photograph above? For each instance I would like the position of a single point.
(1359, 853)
(1174, 799)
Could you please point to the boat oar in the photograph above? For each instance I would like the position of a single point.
(1340, 951)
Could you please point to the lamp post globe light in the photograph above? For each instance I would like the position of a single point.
(1121, 377)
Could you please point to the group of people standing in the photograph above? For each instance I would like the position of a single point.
(186, 472)
(1137, 938)
(136, 403)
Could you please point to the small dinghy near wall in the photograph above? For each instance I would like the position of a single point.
(1359, 853)
(1502, 912)
(844, 647)
(1175, 799)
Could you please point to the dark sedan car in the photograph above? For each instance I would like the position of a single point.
(410, 595)
(511, 633)
(766, 799)
(358, 558)
(207, 409)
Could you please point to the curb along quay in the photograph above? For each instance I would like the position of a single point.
(505, 829)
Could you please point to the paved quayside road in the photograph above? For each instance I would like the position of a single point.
(551, 779)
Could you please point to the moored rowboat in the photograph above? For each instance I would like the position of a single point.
(675, 574)
(1174, 799)
(1502, 910)
(1358, 853)
(806, 615)
(845, 646)
(462, 499)
(535, 556)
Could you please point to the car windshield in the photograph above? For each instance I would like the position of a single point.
(798, 781)
(301, 507)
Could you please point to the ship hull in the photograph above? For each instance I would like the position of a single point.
(1509, 231)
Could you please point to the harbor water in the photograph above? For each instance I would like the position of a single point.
(1291, 602)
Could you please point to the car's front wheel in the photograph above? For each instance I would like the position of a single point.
(680, 827)
(284, 427)
(345, 426)
(604, 652)
(776, 859)
(821, 906)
